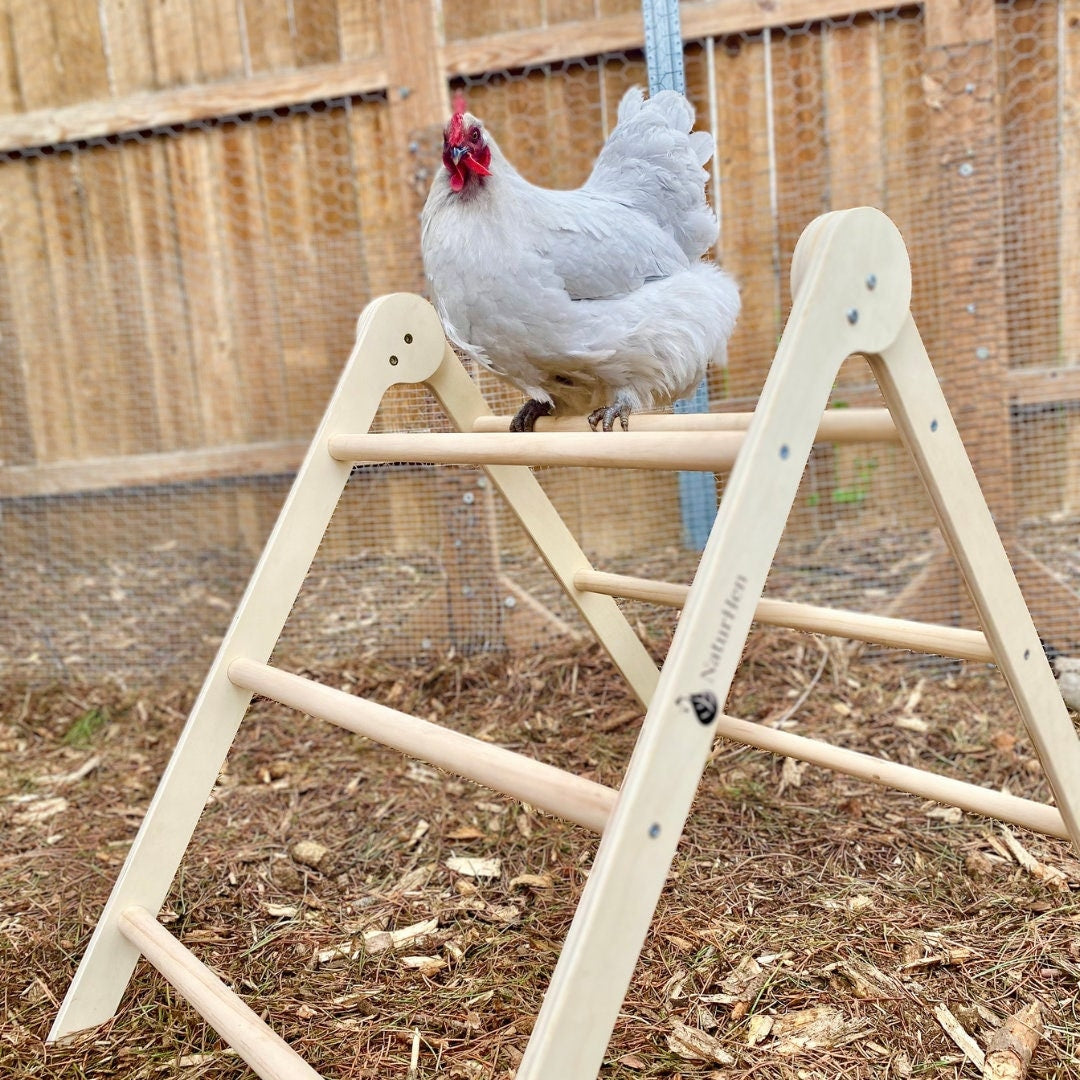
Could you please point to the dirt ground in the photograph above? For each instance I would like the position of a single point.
(813, 925)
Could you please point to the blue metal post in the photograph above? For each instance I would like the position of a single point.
(664, 57)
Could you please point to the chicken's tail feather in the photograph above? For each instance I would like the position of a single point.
(653, 161)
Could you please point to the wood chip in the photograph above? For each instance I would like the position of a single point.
(956, 1031)
(309, 853)
(758, 1027)
(41, 810)
(84, 770)
(377, 941)
(694, 1045)
(426, 965)
(1049, 874)
(809, 1029)
(476, 868)
(532, 881)
(1010, 1047)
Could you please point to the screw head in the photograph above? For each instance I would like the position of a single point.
(966, 169)
(408, 339)
(510, 602)
(468, 498)
(871, 281)
(654, 830)
(982, 353)
(393, 361)
(852, 316)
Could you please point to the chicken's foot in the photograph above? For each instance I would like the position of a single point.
(608, 413)
(526, 417)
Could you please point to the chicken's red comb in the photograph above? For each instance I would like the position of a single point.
(460, 106)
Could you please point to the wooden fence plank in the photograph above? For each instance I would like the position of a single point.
(748, 239)
(169, 356)
(128, 47)
(35, 339)
(1068, 270)
(124, 417)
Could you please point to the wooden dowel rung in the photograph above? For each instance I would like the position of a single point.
(943, 789)
(701, 451)
(269, 1056)
(837, 425)
(554, 790)
(877, 629)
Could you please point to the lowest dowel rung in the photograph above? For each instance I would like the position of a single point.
(702, 451)
(534, 782)
(837, 425)
(877, 629)
(269, 1056)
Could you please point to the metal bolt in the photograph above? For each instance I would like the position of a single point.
(654, 830)
(426, 643)
(1027, 654)
(969, 88)
(852, 316)
(393, 361)
(784, 452)
(468, 498)
(933, 425)
(982, 353)
(414, 147)
(966, 169)
(404, 92)
(510, 602)
(466, 590)
(408, 339)
(871, 281)
(481, 481)
(970, 309)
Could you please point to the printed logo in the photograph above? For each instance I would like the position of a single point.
(704, 704)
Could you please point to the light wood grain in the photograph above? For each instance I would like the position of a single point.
(269, 1056)
(837, 425)
(553, 790)
(878, 629)
(704, 451)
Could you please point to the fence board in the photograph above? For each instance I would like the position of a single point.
(1069, 227)
(748, 241)
(174, 43)
(124, 413)
(219, 38)
(128, 48)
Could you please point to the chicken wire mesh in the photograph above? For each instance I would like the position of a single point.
(177, 301)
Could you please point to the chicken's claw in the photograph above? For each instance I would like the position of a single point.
(608, 413)
(525, 418)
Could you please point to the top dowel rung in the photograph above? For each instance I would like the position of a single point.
(837, 425)
(701, 451)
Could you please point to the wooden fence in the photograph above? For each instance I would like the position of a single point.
(196, 199)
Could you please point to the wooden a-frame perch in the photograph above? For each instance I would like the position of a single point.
(851, 287)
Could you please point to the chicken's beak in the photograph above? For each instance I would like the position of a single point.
(457, 153)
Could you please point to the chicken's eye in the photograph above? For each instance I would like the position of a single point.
(474, 135)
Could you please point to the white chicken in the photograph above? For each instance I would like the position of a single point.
(594, 300)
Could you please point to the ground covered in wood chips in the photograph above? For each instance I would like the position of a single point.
(375, 909)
